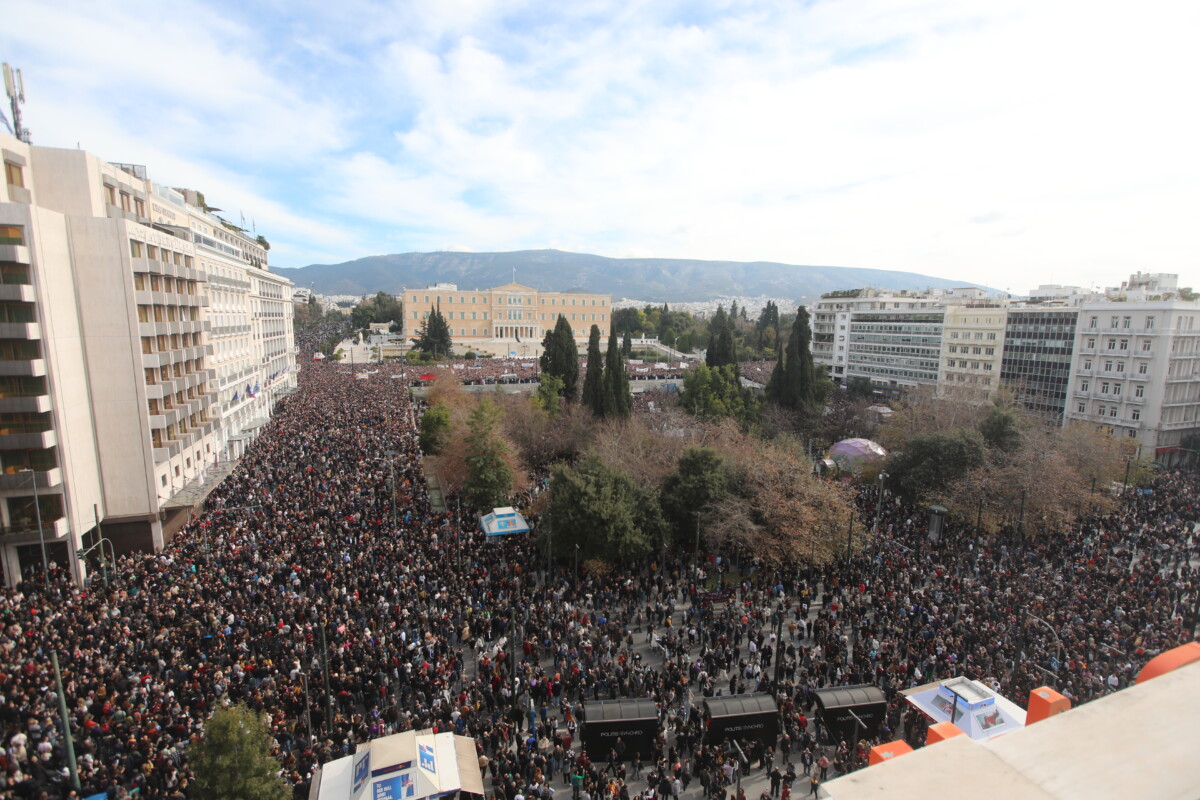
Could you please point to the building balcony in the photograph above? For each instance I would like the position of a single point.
(35, 440)
(33, 367)
(20, 330)
(46, 479)
(25, 404)
(167, 450)
(15, 253)
(17, 293)
(27, 532)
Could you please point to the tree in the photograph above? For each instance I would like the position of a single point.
(700, 480)
(999, 429)
(233, 761)
(593, 381)
(859, 388)
(794, 382)
(560, 357)
(721, 350)
(603, 512)
(626, 345)
(931, 461)
(549, 395)
(716, 392)
(435, 428)
(617, 400)
(433, 340)
(489, 480)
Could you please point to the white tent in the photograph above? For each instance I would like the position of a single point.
(412, 765)
(503, 522)
(977, 710)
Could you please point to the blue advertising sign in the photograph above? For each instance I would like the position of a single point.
(426, 758)
(362, 772)
(397, 788)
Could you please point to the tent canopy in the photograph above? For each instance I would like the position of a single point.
(503, 522)
(978, 711)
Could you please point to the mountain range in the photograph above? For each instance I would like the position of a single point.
(650, 279)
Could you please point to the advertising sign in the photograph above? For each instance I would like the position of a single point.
(425, 758)
(398, 787)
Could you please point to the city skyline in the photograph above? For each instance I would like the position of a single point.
(1009, 146)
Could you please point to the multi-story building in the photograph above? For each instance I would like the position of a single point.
(110, 395)
(898, 350)
(1036, 362)
(1137, 372)
(972, 349)
(507, 320)
(830, 321)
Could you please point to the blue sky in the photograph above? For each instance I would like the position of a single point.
(1011, 143)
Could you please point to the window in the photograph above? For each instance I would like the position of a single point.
(953, 348)
(1125, 322)
(1143, 369)
(1081, 408)
(1092, 322)
(1120, 366)
(1091, 343)
(1108, 365)
(1124, 343)
(12, 174)
(1149, 323)
(1104, 388)
(1115, 320)
(139, 207)
(1084, 385)
(991, 351)
(1117, 389)
(126, 203)
(1139, 391)
(135, 248)
(1087, 364)
(1112, 344)
(12, 234)
(1112, 412)
(1135, 414)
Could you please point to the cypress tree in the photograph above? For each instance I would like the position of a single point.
(794, 382)
(617, 402)
(593, 380)
(560, 357)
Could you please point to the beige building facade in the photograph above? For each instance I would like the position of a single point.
(972, 351)
(110, 406)
(508, 320)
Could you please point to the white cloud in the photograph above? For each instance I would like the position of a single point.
(876, 133)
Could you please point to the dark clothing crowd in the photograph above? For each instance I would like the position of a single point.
(339, 605)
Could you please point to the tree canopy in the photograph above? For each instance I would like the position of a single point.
(233, 760)
(489, 481)
(603, 512)
(593, 380)
(618, 403)
(795, 383)
(433, 339)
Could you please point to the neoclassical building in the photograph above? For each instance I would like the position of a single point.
(506, 320)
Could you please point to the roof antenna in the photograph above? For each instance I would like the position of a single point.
(14, 87)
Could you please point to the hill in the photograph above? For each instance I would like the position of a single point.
(651, 279)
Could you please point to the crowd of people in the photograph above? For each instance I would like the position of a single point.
(341, 606)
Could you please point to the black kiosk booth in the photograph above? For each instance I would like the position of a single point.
(742, 716)
(634, 721)
(838, 706)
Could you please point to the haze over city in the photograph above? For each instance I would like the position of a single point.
(1008, 144)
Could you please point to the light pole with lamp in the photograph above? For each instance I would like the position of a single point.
(1053, 633)
(37, 511)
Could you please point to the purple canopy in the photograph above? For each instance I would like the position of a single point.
(851, 454)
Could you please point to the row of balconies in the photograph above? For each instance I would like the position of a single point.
(170, 270)
(52, 529)
(1096, 394)
(161, 389)
(229, 330)
(174, 447)
(148, 297)
(170, 416)
(176, 326)
(228, 283)
(166, 359)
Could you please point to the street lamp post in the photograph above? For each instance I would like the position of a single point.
(37, 512)
(850, 535)
(72, 769)
(1053, 633)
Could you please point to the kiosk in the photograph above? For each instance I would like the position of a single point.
(837, 706)
(634, 721)
(742, 716)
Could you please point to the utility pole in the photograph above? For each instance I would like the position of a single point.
(68, 740)
(325, 671)
(37, 511)
(850, 535)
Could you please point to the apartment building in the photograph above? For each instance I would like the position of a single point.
(972, 350)
(508, 320)
(1137, 372)
(109, 399)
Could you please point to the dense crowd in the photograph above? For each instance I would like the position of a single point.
(296, 579)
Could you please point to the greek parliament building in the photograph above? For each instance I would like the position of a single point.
(143, 342)
(507, 320)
